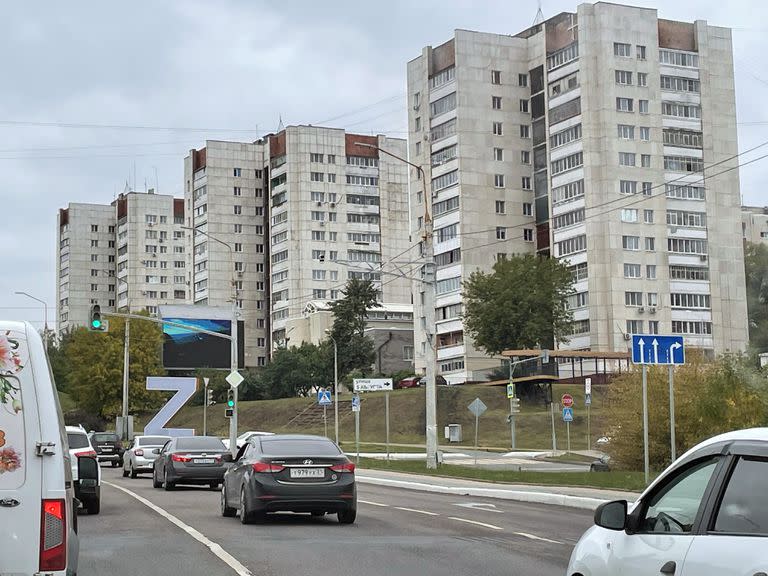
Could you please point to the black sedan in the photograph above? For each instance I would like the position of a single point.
(190, 460)
(291, 473)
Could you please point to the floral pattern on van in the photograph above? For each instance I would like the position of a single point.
(10, 460)
(12, 350)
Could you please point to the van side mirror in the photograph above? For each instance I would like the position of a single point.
(87, 469)
(612, 515)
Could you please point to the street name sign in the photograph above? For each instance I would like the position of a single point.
(371, 384)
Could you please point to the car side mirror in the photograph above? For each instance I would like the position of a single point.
(156, 451)
(87, 469)
(227, 457)
(612, 515)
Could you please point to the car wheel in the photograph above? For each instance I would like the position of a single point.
(155, 482)
(93, 506)
(125, 473)
(133, 472)
(347, 516)
(166, 484)
(249, 516)
(226, 511)
(592, 468)
(115, 463)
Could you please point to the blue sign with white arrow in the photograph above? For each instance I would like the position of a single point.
(324, 397)
(655, 349)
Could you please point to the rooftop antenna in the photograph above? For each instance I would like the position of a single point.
(280, 125)
(539, 16)
(157, 182)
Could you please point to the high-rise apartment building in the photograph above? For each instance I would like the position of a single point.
(604, 137)
(754, 224)
(127, 255)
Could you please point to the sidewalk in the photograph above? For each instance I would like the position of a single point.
(572, 497)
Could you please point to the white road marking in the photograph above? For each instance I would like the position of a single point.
(476, 523)
(534, 537)
(428, 513)
(373, 503)
(217, 550)
(480, 506)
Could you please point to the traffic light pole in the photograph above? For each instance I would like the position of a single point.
(126, 373)
(205, 407)
(513, 400)
(233, 366)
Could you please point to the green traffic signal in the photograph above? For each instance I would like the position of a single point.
(96, 324)
(231, 403)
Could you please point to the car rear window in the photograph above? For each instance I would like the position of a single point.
(299, 447)
(152, 440)
(105, 437)
(77, 440)
(200, 443)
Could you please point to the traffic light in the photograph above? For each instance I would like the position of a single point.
(209, 398)
(230, 410)
(96, 323)
(514, 404)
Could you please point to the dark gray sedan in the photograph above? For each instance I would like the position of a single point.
(190, 460)
(292, 473)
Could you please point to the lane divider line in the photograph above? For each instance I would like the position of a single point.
(534, 537)
(372, 503)
(427, 512)
(215, 548)
(491, 526)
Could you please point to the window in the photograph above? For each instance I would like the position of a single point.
(237, 191)
(445, 206)
(680, 110)
(648, 216)
(563, 56)
(627, 187)
(94, 257)
(624, 104)
(94, 227)
(525, 131)
(526, 183)
(442, 105)
(676, 58)
(568, 219)
(523, 105)
(579, 272)
(527, 209)
(317, 176)
(683, 164)
(567, 163)
(630, 242)
(643, 106)
(313, 157)
(448, 285)
(501, 233)
(364, 161)
(652, 298)
(683, 138)
(448, 258)
(691, 327)
(629, 214)
(442, 77)
(238, 209)
(688, 273)
(522, 79)
(568, 192)
(498, 154)
(680, 84)
(331, 158)
(580, 327)
(447, 233)
(282, 256)
(94, 287)
(362, 180)
(626, 132)
(442, 131)
(500, 207)
(445, 180)
(744, 506)
(571, 245)
(318, 274)
(645, 133)
(498, 180)
(316, 235)
(496, 102)
(495, 76)
(565, 136)
(237, 172)
(331, 177)
(528, 234)
(318, 216)
(578, 300)
(687, 246)
(238, 247)
(650, 244)
(626, 159)
(632, 271)
(621, 49)
(640, 52)
(690, 301)
(444, 155)
(642, 79)
(653, 327)
(647, 188)
(525, 156)
(645, 160)
(94, 243)
(633, 298)
(332, 217)
(497, 129)
(634, 326)
(623, 77)
(685, 192)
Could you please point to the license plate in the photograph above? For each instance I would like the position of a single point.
(307, 472)
(106, 448)
(204, 460)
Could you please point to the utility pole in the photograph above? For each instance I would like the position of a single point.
(45, 312)
(335, 384)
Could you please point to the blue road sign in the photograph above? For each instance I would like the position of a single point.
(324, 397)
(655, 349)
(567, 414)
(355, 403)
(587, 399)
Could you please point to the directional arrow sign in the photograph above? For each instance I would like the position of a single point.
(655, 349)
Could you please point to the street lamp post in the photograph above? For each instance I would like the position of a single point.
(45, 311)
(428, 310)
(233, 340)
(335, 385)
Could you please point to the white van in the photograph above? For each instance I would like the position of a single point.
(38, 519)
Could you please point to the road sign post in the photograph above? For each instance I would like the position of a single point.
(672, 443)
(205, 406)
(325, 421)
(386, 419)
(477, 407)
(356, 410)
(646, 457)
(568, 418)
(588, 404)
(511, 396)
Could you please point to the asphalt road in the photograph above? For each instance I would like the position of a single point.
(398, 532)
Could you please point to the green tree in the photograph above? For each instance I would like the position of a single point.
(58, 345)
(350, 316)
(521, 304)
(756, 269)
(294, 372)
(96, 368)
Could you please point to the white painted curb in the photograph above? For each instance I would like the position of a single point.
(581, 502)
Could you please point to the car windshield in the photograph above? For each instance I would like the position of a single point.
(152, 440)
(105, 438)
(77, 440)
(299, 448)
(200, 443)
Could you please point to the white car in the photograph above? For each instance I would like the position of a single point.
(80, 446)
(706, 515)
(38, 520)
(139, 457)
(243, 438)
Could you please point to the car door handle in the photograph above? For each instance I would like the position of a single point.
(669, 568)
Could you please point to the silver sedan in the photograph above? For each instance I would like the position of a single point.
(139, 456)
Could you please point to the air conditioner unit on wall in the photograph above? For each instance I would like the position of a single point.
(627, 337)
(641, 310)
(652, 310)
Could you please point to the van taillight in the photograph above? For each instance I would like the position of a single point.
(53, 536)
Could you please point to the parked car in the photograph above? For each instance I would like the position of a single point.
(80, 447)
(705, 515)
(603, 441)
(109, 447)
(140, 455)
(190, 460)
(439, 380)
(293, 473)
(38, 519)
(410, 382)
(602, 464)
(244, 437)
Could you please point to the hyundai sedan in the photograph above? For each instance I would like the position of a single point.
(190, 460)
(292, 473)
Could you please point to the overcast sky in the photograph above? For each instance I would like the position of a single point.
(231, 70)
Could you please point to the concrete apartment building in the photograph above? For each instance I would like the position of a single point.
(754, 224)
(584, 138)
(129, 254)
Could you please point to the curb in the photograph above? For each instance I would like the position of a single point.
(580, 502)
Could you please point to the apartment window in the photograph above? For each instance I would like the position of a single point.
(633, 298)
(687, 219)
(111, 244)
(314, 157)
(496, 102)
(94, 257)
(278, 277)
(94, 227)
(364, 161)
(567, 163)
(579, 272)
(621, 49)
(525, 156)
(629, 214)
(237, 172)
(443, 105)
(447, 233)
(630, 242)
(148, 234)
(650, 244)
(318, 235)
(525, 131)
(568, 219)
(444, 206)
(634, 326)
(687, 246)
(642, 79)
(260, 267)
(652, 298)
(522, 79)
(696, 273)
(498, 129)
(683, 164)
(316, 176)
(501, 233)
(111, 258)
(640, 52)
(648, 216)
(626, 159)
(650, 271)
(681, 110)
(580, 327)
(498, 180)
(632, 271)
(563, 56)
(201, 210)
(238, 228)
(645, 133)
(653, 327)
(527, 209)
(282, 256)
(448, 285)
(444, 155)
(500, 207)
(237, 191)
(680, 84)
(623, 77)
(645, 160)
(691, 327)
(685, 192)
(94, 243)
(523, 105)
(318, 274)
(362, 180)
(683, 138)
(318, 216)
(94, 287)
(578, 300)
(526, 183)
(331, 216)
(331, 177)
(627, 187)
(318, 294)
(676, 58)
(647, 188)
(238, 209)
(568, 192)
(690, 301)
(643, 106)
(528, 234)
(334, 275)
(238, 247)
(416, 100)
(571, 246)
(624, 104)
(626, 132)
(498, 154)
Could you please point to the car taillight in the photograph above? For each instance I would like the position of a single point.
(139, 452)
(53, 536)
(345, 467)
(267, 467)
(86, 453)
(180, 458)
